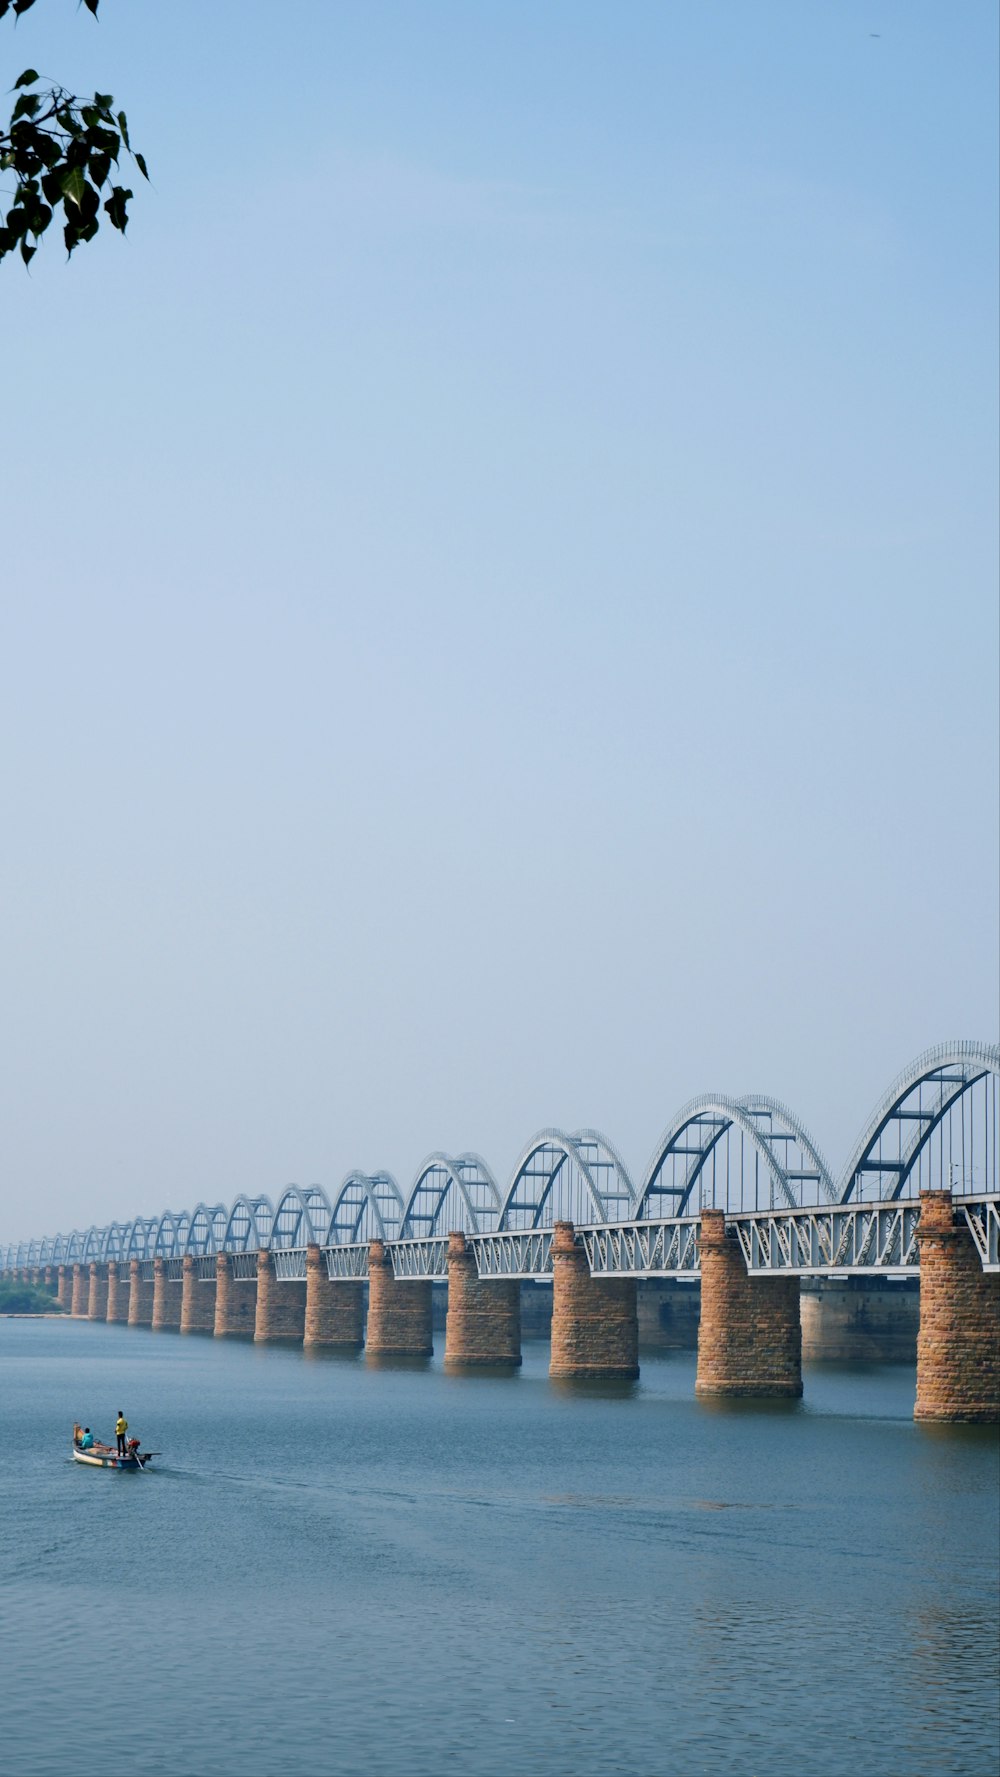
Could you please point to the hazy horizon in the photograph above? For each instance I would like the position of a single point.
(500, 588)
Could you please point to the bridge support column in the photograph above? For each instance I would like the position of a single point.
(484, 1315)
(197, 1299)
(81, 1291)
(335, 1312)
(595, 1326)
(235, 1301)
(140, 1296)
(750, 1337)
(399, 1312)
(118, 1293)
(64, 1291)
(958, 1342)
(166, 1299)
(281, 1304)
(97, 1295)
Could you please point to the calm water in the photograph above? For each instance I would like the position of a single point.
(338, 1569)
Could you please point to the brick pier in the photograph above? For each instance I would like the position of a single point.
(64, 1288)
(335, 1311)
(118, 1293)
(197, 1299)
(281, 1305)
(958, 1342)
(399, 1313)
(97, 1295)
(484, 1315)
(80, 1300)
(750, 1337)
(166, 1299)
(140, 1296)
(235, 1301)
(595, 1328)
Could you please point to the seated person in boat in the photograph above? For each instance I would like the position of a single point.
(77, 1434)
(87, 1441)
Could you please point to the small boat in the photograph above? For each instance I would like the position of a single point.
(103, 1456)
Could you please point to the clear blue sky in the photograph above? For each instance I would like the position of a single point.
(499, 585)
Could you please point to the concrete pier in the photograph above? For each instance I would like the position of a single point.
(399, 1313)
(235, 1301)
(335, 1311)
(281, 1305)
(140, 1296)
(958, 1345)
(595, 1329)
(97, 1295)
(859, 1320)
(80, 1300)
(167, 1292)
(118, 1292)
(484, 1315)
(197, 1298)
(750, 1337)
(64, 1287)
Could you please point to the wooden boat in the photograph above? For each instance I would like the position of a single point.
(103, 1456)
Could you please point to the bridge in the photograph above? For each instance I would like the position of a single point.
(736, 1195)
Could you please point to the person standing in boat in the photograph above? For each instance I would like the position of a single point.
(121, 1427)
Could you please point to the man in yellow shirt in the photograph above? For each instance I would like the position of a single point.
(120, 1429)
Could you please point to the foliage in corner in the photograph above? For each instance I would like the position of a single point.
(64, 152)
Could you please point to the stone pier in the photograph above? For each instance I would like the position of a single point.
(235, 1301)
(197, 1298)
(118, 1292)
(859, 1320)
(80, 1300)
(281, 1304)
(399, 1312)
(140, 1296)
(167, 1293)
(64, 1291)
(484, 1315)
(595, 1328)
(335, 1311)
(958, 1344)
(97, 1295)
(750, 1337)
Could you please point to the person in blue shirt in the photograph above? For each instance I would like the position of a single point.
(87, 1441)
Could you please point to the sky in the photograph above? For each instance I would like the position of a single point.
(498, 596)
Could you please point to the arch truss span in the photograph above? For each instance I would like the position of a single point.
(171, 1236)
(302, 1218)
(576, 1178)
(934, 1129)
(451, 1194)
(733, 1154)
(142, 1234)
(207, 1232)
(248, 1227)
(368, 1206)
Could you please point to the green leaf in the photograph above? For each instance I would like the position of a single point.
(123, 126)
(91, 5)
(116, 207)
(25, 79)
(26, 106)
(73, 185)
(27, 253)
(140, 161)
(98, 168)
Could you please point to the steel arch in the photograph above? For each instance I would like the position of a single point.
(113, 1244)
(368, 1206)
(462, 1186)
(170, 1240)
(302, 1217)
(696, 1132)
(208, 1230)
(559, 1169)
(141, 1236)
(249, 1225)
(950, 1069)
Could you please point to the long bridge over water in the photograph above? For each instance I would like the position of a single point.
(736, 1195)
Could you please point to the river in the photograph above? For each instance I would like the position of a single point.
(340, 1569)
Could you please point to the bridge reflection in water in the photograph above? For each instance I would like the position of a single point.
(736, 1195)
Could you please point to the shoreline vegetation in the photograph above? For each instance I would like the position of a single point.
(26, 1298)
